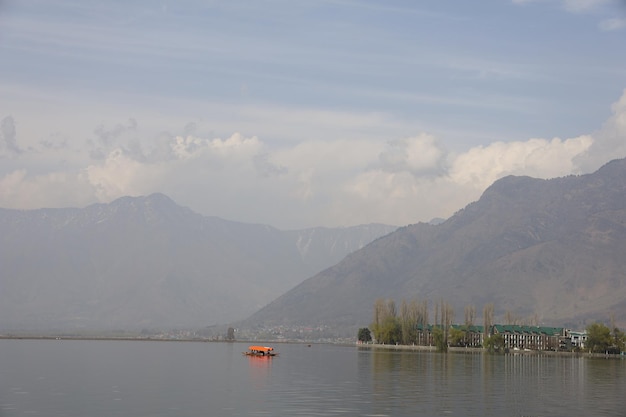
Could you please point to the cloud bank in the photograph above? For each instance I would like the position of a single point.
(295, 184)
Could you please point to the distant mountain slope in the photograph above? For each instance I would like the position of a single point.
(555, 248)
(145, 262)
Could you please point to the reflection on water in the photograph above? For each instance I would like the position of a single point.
(435, 384)
(428, 383)
(98, 379)
(259, 370)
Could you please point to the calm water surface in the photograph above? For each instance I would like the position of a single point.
(114, 378)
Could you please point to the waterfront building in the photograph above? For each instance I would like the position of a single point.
(578, 339)
(531, 337)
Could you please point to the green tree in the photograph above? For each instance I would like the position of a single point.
(364, 335)
(494, 343)
(598, 338)
(457, 336)
(386, 326)
(390, 331)
(439, 339)
(619, 339)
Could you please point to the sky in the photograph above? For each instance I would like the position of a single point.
(305, 113)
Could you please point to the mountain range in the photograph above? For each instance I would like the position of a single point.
(551, 250)
(148, 263)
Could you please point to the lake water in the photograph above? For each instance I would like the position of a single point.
(131, 378)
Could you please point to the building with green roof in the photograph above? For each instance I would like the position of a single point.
(531, 337)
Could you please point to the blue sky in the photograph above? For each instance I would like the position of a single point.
(305, 113)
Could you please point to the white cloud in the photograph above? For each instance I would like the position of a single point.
(583, 5)
(120, 173)
(613, 24)
(235, 150)
(55, 189)
(575, 6)
(526, 1)
(388, 195)
(7, 132)
(610, 142)
(266, 168)
(355, 118)
(479, 167)
(421, 155)
(296, 183)
(108, 137)
(400, 194)
(117, 176)
(316, 169)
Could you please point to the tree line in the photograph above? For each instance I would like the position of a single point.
(409, 324)
(604, 339)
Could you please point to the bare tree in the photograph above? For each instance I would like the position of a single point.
(423, 321)
(509, 318)
(425, 312)
(442, 327)
(470, 315)
(488, 319)
(379, 312)
(391, 308)
(409, 317)
(405, 322)
(447, 313)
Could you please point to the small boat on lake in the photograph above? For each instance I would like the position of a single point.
(260, 351)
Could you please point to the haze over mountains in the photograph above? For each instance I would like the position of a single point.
(552, 249)
(145, 262)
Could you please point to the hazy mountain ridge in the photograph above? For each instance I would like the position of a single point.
(315, 245)
(554, 248)
(147, 262)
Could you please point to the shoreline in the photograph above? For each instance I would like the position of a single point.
(372, 346)
(468, 350)
(159, 339)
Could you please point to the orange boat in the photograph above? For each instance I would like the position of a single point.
(263, 351)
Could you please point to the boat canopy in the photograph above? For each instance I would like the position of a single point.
(261, 348)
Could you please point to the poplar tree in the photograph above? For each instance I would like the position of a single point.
(488, 320)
